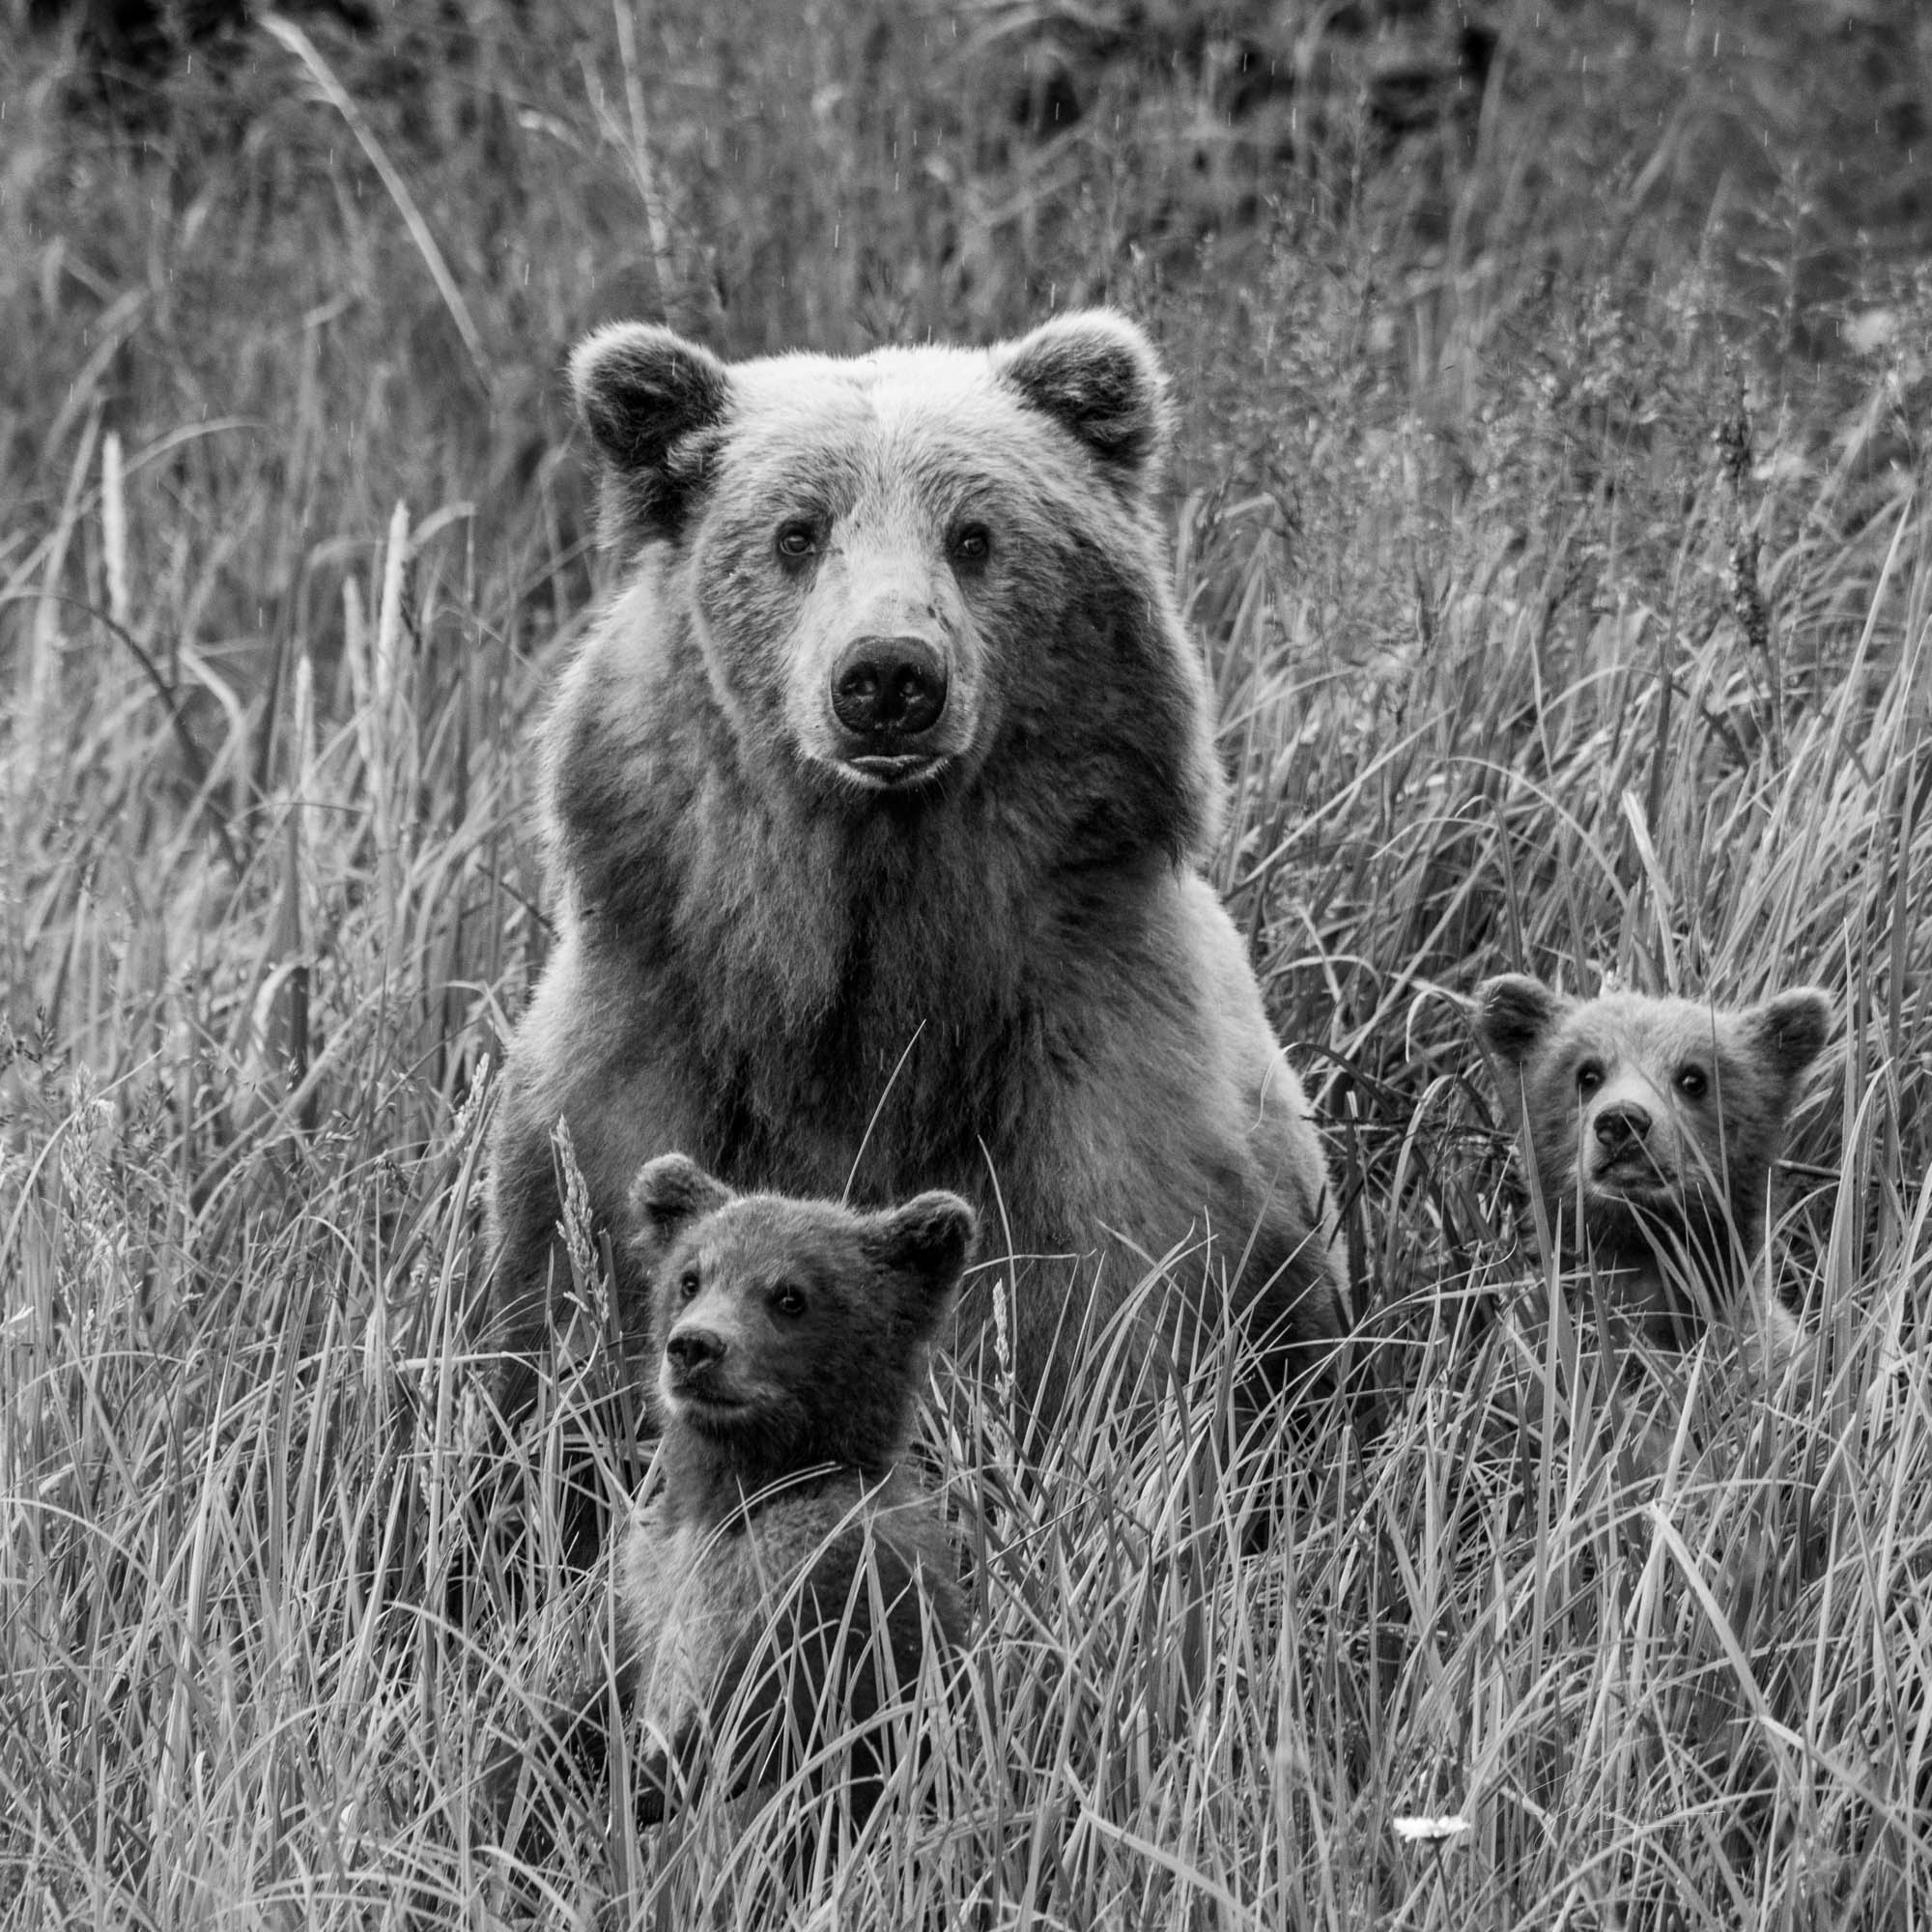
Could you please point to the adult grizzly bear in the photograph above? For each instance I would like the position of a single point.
(877, 802)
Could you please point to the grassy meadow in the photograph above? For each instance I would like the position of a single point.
(1551, 500)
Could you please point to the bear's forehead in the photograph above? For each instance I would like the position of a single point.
(931, 406)
(1626, 1029)
(902, 437)
(885, 380)
(763, 1239)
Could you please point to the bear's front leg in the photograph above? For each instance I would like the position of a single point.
(1159, 1157)
(624, 1083)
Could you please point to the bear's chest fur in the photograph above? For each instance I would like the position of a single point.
(690, 1590)
(693, 1590)
(901, 979)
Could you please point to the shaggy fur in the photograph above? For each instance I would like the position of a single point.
(1651, 1126)
(781, 1579)
(978, 954)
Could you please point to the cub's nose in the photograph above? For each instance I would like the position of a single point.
(690, 1349)
(1622, 1127)
(888, 687)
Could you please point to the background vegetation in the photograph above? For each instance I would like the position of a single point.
(1552, 504)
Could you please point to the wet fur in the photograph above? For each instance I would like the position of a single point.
(1012, 982)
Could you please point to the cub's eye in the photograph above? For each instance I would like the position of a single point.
(798, 539)
(1589, 1077)
(1692, 1082)
(973, 544)
(787, 1299)
(687, 1285)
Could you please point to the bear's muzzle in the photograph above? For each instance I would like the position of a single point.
(887, 694)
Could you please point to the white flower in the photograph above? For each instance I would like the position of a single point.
(1429, 1830)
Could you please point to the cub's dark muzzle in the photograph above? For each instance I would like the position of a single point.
(692, 1355)
(1622, 1130)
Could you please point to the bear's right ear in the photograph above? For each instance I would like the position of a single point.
(669, 1194)
(1513, 1015)
(930, 1237)
(1096, 374)
(644, 393)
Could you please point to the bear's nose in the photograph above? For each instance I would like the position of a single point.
(692, 1349)
(1622, 1127)
(888, 687)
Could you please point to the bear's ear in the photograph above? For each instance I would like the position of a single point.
(1513, 1015)
(930, 1237)
(1787, 1033)
(669, 1194)
(1096, 374)
(644, 393)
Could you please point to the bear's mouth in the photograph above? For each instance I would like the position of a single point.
(895, 771)
(699, 1387)
(704, 1407)
(1633, 1179)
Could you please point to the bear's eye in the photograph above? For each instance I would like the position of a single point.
(1589, 1077)
(973, 544)
(688, 1285)
(798, 539)
(1692, 1082)
(788, 1299)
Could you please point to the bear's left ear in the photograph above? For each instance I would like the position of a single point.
(1096, 374)
(669, 1194)
(930, 1236)
(1788, 1032)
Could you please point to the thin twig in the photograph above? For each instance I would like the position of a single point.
(305, 50)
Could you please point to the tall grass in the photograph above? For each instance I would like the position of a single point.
(1564, 565)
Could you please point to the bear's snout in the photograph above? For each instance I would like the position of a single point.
(691, 1352)
(887, 690)
(1623, 1128)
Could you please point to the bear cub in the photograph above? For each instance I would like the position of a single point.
(1652, 1127)
(785, 1565)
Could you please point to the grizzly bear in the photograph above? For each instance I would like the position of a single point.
(786, 1570)
(877, 805)
(1651, 1126)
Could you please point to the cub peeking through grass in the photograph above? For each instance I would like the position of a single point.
(1651, 1127)
(781, 1583)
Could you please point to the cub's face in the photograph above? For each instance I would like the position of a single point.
(1651, 1112)
(905, 559)
(795, 1328)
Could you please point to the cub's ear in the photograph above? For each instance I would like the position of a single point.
(669, 1194)
(1096, 374)
(930, 1237)
(646, 396)
(1788, 1032)
(1513, 1015)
